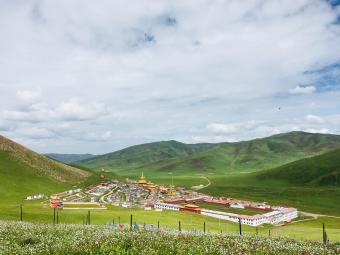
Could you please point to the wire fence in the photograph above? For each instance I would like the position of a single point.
(131, 223)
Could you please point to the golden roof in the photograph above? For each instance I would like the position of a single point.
(191, 206)
(142, 179)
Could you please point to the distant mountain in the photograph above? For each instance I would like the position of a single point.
(323, 169)
(138, 155)
(68, 158)
(24, 172)
(246, 156)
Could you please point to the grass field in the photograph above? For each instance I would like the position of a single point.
(40, 212)
(24, 238)
(323, 200)
(82, 206)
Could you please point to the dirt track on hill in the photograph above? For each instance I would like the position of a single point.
(199, 187)
(316, 215)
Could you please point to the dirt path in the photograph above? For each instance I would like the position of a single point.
(316, 215)
(102, 198)
(199, 187)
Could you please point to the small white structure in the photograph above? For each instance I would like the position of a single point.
(262, 206)
(165, 206)
(237, 205)
(125, 204)
(35, 197)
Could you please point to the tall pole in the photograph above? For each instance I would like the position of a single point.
(89, 217)
(240, 226)
(269, 233)
(323, 233)
(158, 225)
(204, 227)
(54, 215)
(179, 226)
(20, 212)
(131, 222)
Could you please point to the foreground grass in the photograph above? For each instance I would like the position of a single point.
(40, 213)
(27, 238)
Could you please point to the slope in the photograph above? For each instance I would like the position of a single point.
(318, 170)
(24, 172)
(254, 155)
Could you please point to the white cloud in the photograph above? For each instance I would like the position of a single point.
(314, 119)
(28, 96)
(73, 110)
(25, 116)
(211, 139)
(4, 126)
(91, 136)
(319, 131)
(34, 132)
(302, 90)
(110, 58)
(222, 128)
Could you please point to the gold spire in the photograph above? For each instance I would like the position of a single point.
(142, 179)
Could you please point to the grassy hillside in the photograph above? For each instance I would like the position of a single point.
(247, 156)
(68, 158)
(24, 172)
(144, 154)
(310, 184)
(322, 170)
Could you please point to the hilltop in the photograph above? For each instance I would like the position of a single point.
(142, 154)
(318, 170)
(246, 156)
(24, 172)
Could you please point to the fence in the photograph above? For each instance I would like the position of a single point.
(133, 225)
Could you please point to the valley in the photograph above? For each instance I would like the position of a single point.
(313, 195)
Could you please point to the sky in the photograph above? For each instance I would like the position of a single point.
(83, 76)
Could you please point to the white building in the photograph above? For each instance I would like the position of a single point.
(281, 214)
(165, 206)
(237, 205)
(35, 197)
(274, 217)
(254, 220)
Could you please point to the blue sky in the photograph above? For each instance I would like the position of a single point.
(78, 76)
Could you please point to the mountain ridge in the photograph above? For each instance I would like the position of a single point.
(252, 155)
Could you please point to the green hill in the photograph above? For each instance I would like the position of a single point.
(24, 172)
(321, 170)
(246, 156)
(143, 154)
(68, 158)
